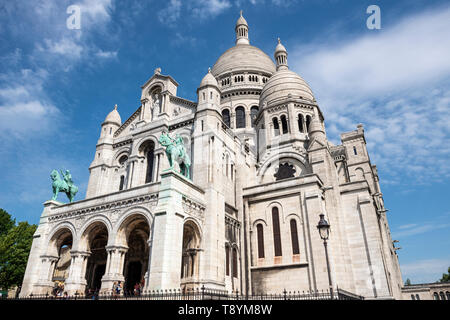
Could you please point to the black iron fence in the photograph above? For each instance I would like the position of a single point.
(202, 294)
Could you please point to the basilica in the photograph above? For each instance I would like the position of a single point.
(244, 215)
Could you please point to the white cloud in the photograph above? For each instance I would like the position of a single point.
(204, 9)
(396, 82)
(25, 109)
(425, 271)
(171, 13)
(412, 231)
(197, 9)
(66, 47)
(106, 54)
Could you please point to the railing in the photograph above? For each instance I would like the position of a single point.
(202, 294)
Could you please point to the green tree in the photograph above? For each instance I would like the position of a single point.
(446, 276)
(6, 222)
(15, 247)
(407, 282)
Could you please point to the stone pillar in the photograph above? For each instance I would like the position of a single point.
(76, 282)
(38, 250)
(114, 266)
(167, 237)
(45, 283)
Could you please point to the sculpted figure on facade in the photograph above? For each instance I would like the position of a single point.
(66, 185)
(176, 153)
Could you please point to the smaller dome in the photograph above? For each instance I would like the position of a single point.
(209, 80)
(285, 83)
(241, 21)
(280, 47)
(114, 117)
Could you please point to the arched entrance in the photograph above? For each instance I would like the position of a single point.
(97, 238)
(60, 246)
(190, 257)
(135, 232)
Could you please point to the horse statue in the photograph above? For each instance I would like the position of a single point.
(65, 185)
(176, 153)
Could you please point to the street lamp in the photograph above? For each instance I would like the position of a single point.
(324, 231)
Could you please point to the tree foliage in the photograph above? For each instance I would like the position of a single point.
(446, 276)
(15, 245)
(407, 282)
(6, 222)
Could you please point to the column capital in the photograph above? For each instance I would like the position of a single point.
(119, 248)
(51, 258)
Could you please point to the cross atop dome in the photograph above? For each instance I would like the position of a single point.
(241, 30)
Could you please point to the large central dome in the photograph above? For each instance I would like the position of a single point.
(243, 57)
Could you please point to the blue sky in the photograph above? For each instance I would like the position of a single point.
(57, 85)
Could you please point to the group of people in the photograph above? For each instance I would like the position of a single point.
(117, 289)
(58, 290)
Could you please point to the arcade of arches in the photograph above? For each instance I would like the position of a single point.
(98, 260)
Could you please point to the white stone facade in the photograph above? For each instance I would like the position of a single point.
(262, 172)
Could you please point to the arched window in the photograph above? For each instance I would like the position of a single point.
(300, 123)
(276, 232)
(240, 117)
(226, 117)
(308, 122)
(435, 296)
(260, 235)
(227, 260)
(235, 263)
(354, 151)
(417, 297)
(150, 157)
(294, 237)
(276, 126)
(447, 293)
(253, 113)
(284, 124)
(412, 297)
(122, 180)
(123, 159)
(442, 295)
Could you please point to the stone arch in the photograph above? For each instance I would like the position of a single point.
(267, 171)
(57, 232)
(88, 225)
(139, 210)
(120, 153)
(139, 143)
(61, 242)
(191, 243)
(359, 174)
(133, 233)
(226, 116)
(259, 221)
(147, 150)
(240, 116)
(94, 239)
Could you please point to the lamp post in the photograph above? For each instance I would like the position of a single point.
(324, 231)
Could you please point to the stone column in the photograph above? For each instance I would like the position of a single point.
(168, 236)
(45, 283)
(114, 266)
(76, 282)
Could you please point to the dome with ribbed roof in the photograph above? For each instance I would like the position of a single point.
(284, 83)
(114, 117)
(243, 57)
(209, 80)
